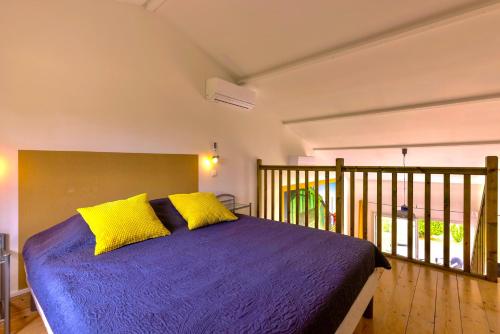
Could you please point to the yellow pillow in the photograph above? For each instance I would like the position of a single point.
(123, 222)
(201, 209)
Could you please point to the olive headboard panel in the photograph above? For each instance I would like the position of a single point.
(52, 184)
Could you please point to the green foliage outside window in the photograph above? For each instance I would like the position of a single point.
(457, 232)
(437, 228)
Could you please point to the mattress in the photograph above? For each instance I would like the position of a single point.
(246, 276)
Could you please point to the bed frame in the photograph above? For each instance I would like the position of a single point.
(82, 176)
(362, 306)
(42, 314)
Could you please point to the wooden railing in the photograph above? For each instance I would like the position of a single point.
(283, 186)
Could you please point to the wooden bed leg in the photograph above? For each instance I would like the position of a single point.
(32, 304)
(368, 314)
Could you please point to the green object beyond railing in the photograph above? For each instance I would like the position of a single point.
(311, 208)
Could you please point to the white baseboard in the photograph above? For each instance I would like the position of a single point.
(20, 292)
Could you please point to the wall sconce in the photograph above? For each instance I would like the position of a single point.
(3, 168)
(215, 155)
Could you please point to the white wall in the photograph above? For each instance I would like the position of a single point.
(95, 75)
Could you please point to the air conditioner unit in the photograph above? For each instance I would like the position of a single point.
(301, 160)
(222, 91)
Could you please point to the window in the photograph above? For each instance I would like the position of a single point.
(437, 240)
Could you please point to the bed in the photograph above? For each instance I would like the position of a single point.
(247, 276)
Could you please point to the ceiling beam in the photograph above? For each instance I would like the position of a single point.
(153, 5)
(134, 2)
(400, 108)
(437, 144)
(387, 36)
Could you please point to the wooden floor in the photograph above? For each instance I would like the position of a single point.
(417, 299)
(23, 320)
(410, 299)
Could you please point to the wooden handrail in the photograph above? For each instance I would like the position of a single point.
(297, 167)
(306, 196)
(418, 170)
(386, 169)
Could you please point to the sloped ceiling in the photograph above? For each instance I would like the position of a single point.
(252, 36)
(451, 60)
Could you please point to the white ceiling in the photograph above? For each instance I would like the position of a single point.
(443, 61)
(248, 37)
(449, 62)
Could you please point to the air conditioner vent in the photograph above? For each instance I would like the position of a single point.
(222, 91)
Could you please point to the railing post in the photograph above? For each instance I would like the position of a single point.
(316, 199)
(364, 228)
(327, 201)
(306, 202)
(466, 222)
(259, 186)
(352, 203)
(280, 195)
(379, 210)
(273, 178)
(410, 217)
(297, 197)
(394, 214)
(288, 198)
(491, 215)
(427, 217)
(446, 220)
(339, 187)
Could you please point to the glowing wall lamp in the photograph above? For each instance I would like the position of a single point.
(210, 161)
(3, 168)
(215, 155)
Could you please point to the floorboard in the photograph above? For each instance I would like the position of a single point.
(490, 296)
(472, 310)
(399, 306)
(423, 307)
(432, 301)
(447, 312)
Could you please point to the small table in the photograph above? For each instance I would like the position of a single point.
(5, 289)
(229, 202)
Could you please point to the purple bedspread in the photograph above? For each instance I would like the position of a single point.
(247, 276)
